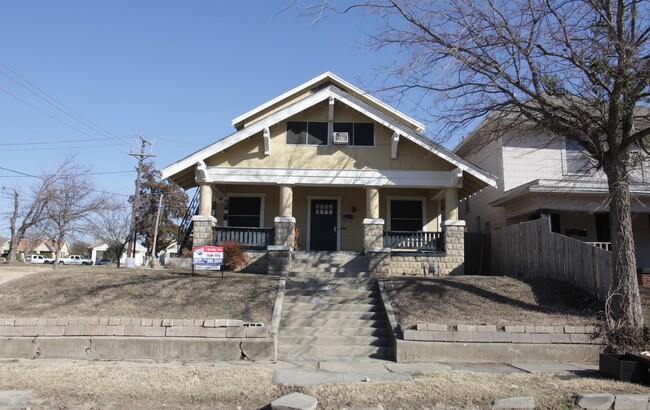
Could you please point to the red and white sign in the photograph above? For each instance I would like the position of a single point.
(208, 257)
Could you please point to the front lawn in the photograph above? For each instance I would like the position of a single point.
(493, 300)
(97, 291)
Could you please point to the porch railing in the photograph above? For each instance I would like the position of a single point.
(251, 238)
(602, 245)
(430, 241)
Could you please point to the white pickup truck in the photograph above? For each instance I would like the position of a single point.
(40, 259)
(75, 260)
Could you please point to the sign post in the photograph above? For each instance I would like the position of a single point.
(207, 258)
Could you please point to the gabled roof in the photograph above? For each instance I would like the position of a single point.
(347, 99)
(328, 78)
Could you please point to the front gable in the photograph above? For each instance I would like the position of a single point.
(261, 148)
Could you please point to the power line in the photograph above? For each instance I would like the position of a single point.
(77, 117)
(48, 142)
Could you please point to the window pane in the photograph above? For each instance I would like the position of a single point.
(406, 215)
(344, 127)
(405, 225)
(406, 209)
(577, 158)
(296, 132)
(364, 134)
(317, 132)
(244, 211)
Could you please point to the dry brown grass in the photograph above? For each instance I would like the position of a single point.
(465, 390)
(489, 299)
(129, 385)
(96, 291)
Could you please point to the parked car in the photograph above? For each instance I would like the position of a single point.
(40, 259)
(104, 262)
(75, 260)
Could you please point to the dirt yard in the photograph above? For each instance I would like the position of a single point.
(67, 384)
(493, 300)
(98, 291)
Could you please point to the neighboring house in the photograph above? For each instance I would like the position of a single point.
(97, 253)
(331, 168)
(541, 175)
(33, 247)
(171, 251)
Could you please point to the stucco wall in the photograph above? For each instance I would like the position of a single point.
(250, 153)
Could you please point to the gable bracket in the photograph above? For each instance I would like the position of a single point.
(457, 177)
(267, 141)
(394, 141)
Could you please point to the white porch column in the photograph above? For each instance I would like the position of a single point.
(286, 200)
(451, 204)
(205, 202)
(372, 203)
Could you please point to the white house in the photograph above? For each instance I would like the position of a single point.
(541, 175)
(97, 253)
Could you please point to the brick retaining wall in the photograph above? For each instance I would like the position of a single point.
(503, 334)
(130, 327)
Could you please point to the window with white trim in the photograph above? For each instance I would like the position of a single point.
(406, 215)
(576, 158)
(307, 133)
(360, 134)
(244, 212)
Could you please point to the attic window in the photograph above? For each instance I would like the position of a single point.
(576, 157)
(360, 134)
(306, 133)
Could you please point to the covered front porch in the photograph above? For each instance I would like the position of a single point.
(411, 220)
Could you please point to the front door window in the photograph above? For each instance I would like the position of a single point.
(323, 225)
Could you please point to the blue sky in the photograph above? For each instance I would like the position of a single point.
(176, 72)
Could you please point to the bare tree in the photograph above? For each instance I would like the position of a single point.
(27, 214)
(112, 226)
(579, 69)
(71, 202)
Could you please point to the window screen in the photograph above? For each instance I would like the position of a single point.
(406, 215)
(244, 212)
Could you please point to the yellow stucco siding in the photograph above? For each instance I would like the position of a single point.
(250, 152)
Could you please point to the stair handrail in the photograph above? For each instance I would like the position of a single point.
(185, 226)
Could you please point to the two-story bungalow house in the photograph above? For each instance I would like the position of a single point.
(328, 167)
(543, 175)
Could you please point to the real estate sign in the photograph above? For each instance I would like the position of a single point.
(207, 257)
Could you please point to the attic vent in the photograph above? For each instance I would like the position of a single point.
(340, 138)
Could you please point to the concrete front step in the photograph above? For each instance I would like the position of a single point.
(332, 331)
(318, 299)
(347, 315)
(330, 287)
(348, 293)
(333, 275)
(329, 307)
(336, 323)
(334, 340)
(296, 351)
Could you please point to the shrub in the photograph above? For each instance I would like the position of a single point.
(233, 255)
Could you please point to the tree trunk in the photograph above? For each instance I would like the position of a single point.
(13, 243)
(624, 309)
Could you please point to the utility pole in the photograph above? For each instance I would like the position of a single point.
(155, 230)
(136, 198)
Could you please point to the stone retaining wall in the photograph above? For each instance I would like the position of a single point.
(503, 334)
(130, 327)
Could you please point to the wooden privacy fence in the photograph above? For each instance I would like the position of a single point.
(530, 249)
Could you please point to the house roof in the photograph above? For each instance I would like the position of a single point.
(478, 178)
(327, 78)
(564, 186)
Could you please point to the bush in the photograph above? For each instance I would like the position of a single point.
(233, 255)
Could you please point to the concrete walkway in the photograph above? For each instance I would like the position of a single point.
(11, 272)
(309, 374)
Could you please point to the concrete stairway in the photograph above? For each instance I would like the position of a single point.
(331, 310)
